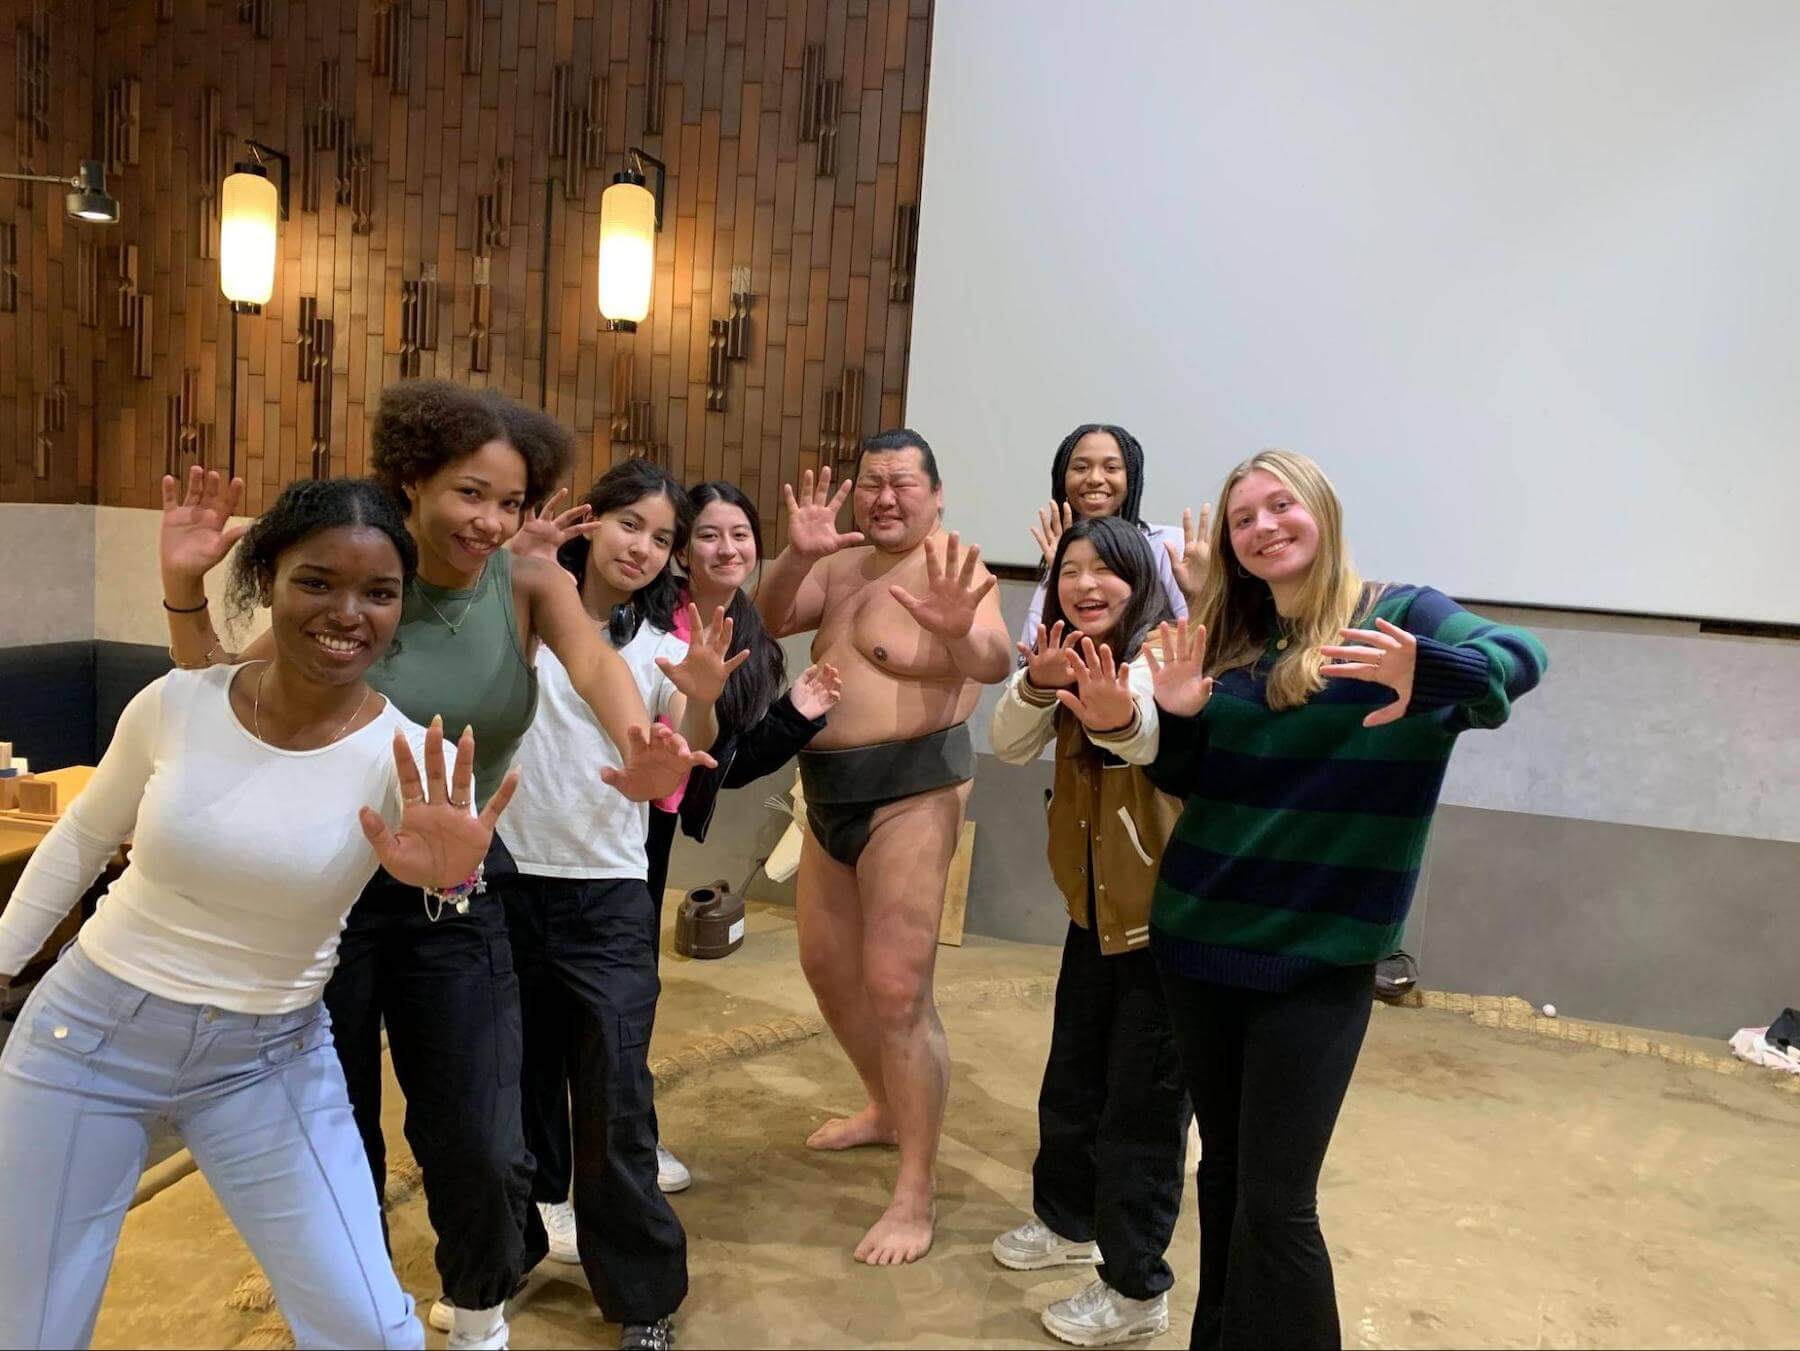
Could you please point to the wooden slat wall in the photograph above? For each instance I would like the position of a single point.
(51, 268)
(793, 131)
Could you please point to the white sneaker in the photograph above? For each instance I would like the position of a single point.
(1034, 1245)
(443, 1313)
(474, 1329)
(1098, 1315)
(559, 1223)
(671, 1173)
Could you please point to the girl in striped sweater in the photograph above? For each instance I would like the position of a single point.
(1306, 722)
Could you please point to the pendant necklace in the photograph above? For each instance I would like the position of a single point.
(467, 604)
(256, 713)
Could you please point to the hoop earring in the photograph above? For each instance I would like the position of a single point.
(1241, 572)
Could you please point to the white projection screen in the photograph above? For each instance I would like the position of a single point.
(1524, 276)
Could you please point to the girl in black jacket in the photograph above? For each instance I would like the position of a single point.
(760, 727)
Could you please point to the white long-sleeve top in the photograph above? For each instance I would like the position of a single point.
(1024, 723)
(245, 858)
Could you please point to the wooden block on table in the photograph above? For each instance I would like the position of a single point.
(9, 793)
(956, 888)
(37, 796)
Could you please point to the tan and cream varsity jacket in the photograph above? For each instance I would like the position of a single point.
(1103, 812)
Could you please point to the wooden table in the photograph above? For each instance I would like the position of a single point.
(19, 839)
(69, 783)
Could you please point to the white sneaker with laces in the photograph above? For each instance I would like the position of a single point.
(1034, 1245)
(671, 1173)
(1098, 1315)
(559, 1224)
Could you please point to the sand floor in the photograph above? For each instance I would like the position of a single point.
(1487, 1187)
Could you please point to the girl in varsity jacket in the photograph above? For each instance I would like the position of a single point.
(1112, 1113)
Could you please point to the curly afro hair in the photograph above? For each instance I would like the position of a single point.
(304, 508)
(423, 425)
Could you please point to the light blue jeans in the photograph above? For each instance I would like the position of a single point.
(92, 1065)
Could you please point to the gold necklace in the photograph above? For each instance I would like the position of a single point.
(464, 616)
(256, 713)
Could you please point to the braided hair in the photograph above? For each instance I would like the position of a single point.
(1129, 450)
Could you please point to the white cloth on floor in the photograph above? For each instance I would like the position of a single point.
(1750, 1044)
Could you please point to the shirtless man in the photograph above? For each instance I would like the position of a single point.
(912, 621)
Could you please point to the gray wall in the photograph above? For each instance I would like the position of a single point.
(1627, 847)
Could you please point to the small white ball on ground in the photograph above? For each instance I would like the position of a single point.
(1549, 1010)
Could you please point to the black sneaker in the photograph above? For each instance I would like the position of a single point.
(1396, 976)
(657, 1336)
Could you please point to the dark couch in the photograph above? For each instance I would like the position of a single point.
(59, 702)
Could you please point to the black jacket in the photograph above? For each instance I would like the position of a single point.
(761, 748)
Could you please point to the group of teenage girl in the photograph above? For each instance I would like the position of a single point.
(1248, 744)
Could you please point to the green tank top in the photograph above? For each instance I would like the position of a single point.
(474, 676)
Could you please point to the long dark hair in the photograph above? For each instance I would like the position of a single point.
(754, 685)
(1129, 450)
(626, 483)
(1123, 548)
(305, 507)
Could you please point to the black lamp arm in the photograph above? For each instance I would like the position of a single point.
(642, 157)
(74, 182)
(282, 186)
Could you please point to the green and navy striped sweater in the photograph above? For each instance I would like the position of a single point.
(1302, 831)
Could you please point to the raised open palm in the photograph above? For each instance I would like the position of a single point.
(440, 842)
(1052, 522)
(196, 525)
(1182, 685)
(952, 595)
(1189, 561)
(1047, 661)
(657, 761)
(546, 530)
(1384, 655)
(817, 690)
(701, 675)
(1102, 697)
(812, 516)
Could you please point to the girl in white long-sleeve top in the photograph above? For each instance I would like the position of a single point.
(259, 797)
(1112, 1113)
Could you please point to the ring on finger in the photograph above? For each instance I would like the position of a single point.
(460, 806)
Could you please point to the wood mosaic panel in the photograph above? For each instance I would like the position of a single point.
(423, 138)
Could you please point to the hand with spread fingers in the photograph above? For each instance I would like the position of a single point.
(1052, 521)
(1384, 655)
(196, 529)
(1102, 698)
(1189, 561)
(440, 842)
(812, 516)
(701, 675)
(657, 761)
(952, 595)
(1047, 661)
(546, 530)
(1182, 685)
(817, 691)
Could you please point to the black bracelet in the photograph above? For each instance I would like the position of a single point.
(177, 610)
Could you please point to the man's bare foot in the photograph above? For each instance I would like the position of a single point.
(868, 1127)
(901, 1235)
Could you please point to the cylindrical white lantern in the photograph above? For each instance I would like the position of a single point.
(627, 250)
(249, 208)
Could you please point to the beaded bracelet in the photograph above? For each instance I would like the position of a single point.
(456, 897)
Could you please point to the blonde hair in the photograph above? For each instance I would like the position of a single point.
(1239, 610)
